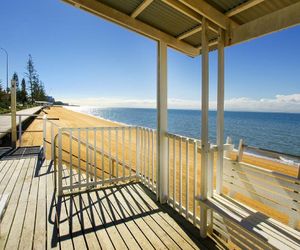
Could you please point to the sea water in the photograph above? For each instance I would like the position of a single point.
(273, 131)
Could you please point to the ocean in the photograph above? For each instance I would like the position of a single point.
(272, 131)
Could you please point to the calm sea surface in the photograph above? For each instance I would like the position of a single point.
(274, 131)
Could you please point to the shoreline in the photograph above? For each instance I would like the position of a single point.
(262, 155)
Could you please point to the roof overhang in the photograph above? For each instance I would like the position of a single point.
(178, 22)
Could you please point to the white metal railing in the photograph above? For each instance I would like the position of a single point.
(54, 128)
(90, 157)
(20, 123)
(105, 155)
(183, 172)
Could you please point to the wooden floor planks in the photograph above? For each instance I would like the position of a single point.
(116, 217)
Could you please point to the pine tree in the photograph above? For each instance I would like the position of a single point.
(36, 87)
(32, 78)
(18, 91)
(23, 93)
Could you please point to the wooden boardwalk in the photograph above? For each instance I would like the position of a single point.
(117, 217)
(5, 120)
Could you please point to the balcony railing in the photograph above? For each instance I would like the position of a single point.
(103, 156)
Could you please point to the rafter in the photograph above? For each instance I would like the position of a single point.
(275, 21)
(99, 9)
(242, 7)
(141, 8)
(180, 7)
(209, 12)
(190, 32)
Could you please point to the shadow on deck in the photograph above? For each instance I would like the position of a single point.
(122, 216)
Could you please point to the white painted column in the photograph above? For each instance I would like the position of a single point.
(13, 114)
(220, 112)
(204, 127)
(162, 121)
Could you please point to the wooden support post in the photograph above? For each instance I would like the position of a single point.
(220, 112)
(13, 114)
(240, 151)
(204, 127)
(162, 122)
(44, 135)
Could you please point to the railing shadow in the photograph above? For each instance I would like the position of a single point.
(88, 212)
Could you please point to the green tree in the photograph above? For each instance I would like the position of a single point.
(4, 98)
(18, 91)
(23, 93)
(32, 78)
(36, 87)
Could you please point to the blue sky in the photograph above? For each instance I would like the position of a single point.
(87, 60)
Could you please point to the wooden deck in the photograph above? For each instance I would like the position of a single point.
(117, 217)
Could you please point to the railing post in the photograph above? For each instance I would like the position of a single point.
(13, 114)
(44, 135)
(240, 151)
(52, 142)
(137, 152)
(60, 192)
(210, 174)
(20, 131)
(228, 142)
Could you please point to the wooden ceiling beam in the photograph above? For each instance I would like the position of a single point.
(209, 12)
(180, 7)
(141, 8)
(190, 32)
(99, 9)
(275, 21)
(242, 7)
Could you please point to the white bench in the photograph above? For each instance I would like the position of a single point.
(244, 226)
(247, 228)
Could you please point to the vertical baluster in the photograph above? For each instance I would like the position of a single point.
(152, 135)
(130, 152)
(87, 155)
(148, 163)
(52, 142)
(123, 152)
(60, 191)
(210, 175)
(180, 175)
(137, 151)
(117, 159)
(145, 148)
(174, 172)
(168, 166)
(109, 153)
(71, 161)
(20, 131)
(195, 182)
(79, 158)
(95, 156)
(187, 180)
(142, 152)
(102, 151)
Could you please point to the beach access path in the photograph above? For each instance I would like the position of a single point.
(5, 119)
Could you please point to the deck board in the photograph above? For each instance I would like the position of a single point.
(123, 216)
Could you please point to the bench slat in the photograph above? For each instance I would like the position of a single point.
(263, 228)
